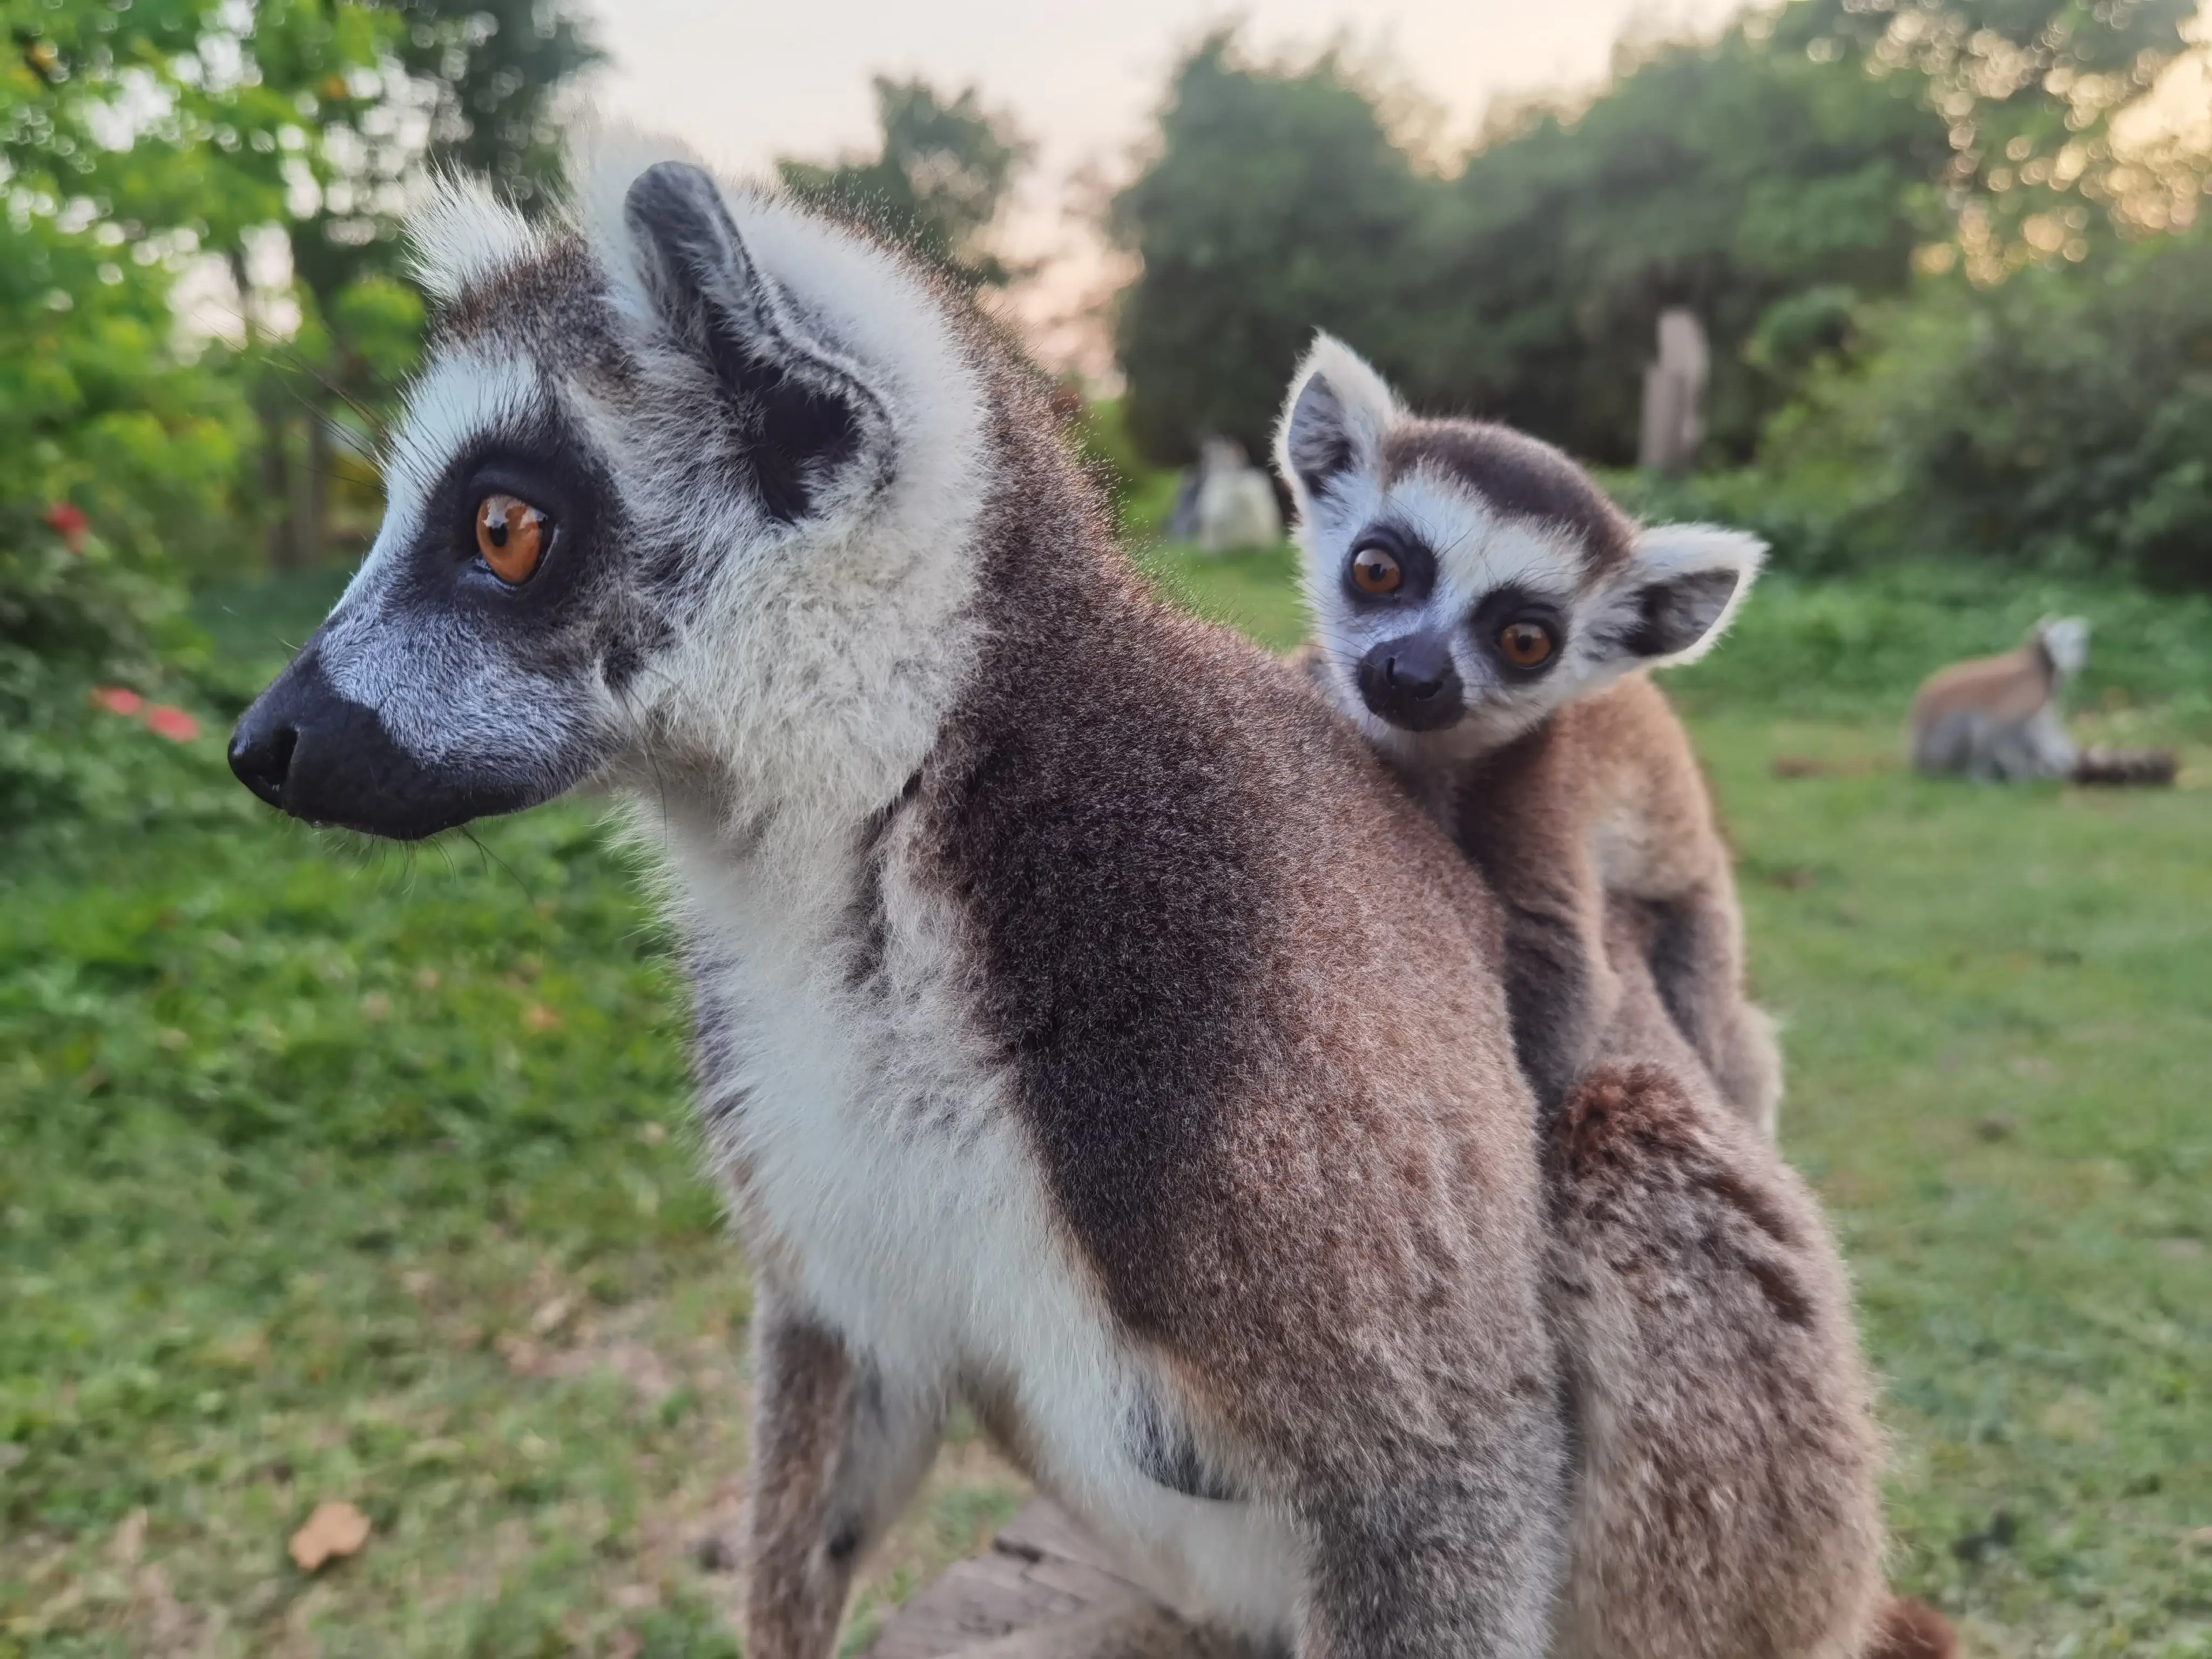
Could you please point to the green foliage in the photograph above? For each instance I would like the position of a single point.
(1565, 241)
(72, 621)
(1276, 205)
(2061, 420)
(494, 73)
(341, 1177)
(937, 184)
(2027, 89)
(1774, 180)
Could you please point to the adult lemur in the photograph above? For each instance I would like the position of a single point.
(1482, 610)
(1997, 719)
(1088, 1028)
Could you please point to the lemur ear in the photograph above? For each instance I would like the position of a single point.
(1332, 420)
(803, 414)
(1676, 595)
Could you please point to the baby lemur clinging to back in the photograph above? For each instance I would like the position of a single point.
(1482, 611)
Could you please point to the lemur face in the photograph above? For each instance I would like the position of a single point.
(1466, 580)
(613, 459)
(2066, 640)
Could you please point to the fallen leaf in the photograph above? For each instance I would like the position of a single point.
(552, 1316)
(538, 1017)
(335, 1528)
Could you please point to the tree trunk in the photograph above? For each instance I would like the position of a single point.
(278, 485)
(312, 519)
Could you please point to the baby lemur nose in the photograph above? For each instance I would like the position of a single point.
(1412, 683)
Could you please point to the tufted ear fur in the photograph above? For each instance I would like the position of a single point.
(1675, 596)
(1333, 419)
(805, 417)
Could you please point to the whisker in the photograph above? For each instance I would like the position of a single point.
(475, 842)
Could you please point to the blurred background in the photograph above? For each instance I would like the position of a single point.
(337, 1176)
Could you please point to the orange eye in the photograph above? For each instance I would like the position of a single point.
(1373, 571)
(1525, 644)
(511, 536)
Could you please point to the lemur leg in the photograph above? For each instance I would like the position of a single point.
(1519, 822)
(1697, 959)
(1437, 1565)
(1560, 989)
(837, 1451)
(1463, 1555)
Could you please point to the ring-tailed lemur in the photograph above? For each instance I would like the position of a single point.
(1996, 720)
(1482, 610)
(1721, 1410)
(1049, 999)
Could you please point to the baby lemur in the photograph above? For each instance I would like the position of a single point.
(1482, 613)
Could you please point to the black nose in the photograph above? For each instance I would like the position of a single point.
(261, 752)
(1412, 683)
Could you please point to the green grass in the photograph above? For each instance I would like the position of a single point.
(329, 1173)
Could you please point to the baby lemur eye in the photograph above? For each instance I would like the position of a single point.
(1374, 571)
(511, 536)
(1525, 644)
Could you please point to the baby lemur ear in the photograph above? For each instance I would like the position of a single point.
(1675, 596)
(805, 418)
(1333, 419)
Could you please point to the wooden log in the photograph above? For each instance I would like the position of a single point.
(1045, 1589)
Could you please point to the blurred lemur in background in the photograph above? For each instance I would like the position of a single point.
(1996, 720)
(1482, 613)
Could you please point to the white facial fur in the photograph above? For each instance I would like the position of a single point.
(2067, 640)
(1337, 419)
(742, 619)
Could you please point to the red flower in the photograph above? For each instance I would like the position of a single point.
(173, 723)
(117, 701)
(68, 521)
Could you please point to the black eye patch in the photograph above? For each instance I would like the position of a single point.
(536, 461)
(1499, 608)
(1417, 566)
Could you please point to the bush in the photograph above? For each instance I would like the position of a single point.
(90, 636)
(2061, 420)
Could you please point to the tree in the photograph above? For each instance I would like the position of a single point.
(936, 184)
(1774, 180)
(472, 85)
(2028, 91)
(1761, 188)
(2061, 418)
(1275, 203)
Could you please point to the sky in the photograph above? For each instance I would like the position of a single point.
(744, 82)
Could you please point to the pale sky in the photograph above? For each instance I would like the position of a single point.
(743, 83)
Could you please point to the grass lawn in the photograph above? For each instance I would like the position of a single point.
(329, 1173)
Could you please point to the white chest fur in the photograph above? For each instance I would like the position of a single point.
(883, 1159)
